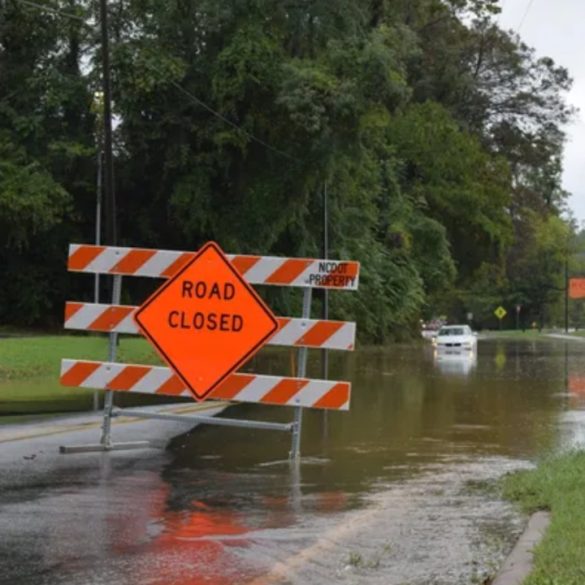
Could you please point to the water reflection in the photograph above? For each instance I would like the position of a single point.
(410, 409)
(458, 363)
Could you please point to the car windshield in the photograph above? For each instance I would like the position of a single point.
(451, 331)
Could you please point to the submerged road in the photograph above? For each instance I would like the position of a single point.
(55, 508)
(150, 516)
(399, 490)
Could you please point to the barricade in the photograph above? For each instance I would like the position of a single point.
(302, 333)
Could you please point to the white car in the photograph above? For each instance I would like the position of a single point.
(456, 337)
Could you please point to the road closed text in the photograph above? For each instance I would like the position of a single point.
(198, 320)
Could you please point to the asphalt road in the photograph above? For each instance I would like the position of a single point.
(64, 517)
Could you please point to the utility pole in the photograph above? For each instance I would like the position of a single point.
(109, 192)
(325, 314)
(110, 205)
(98, 110)
(98, 220)
(567, 290)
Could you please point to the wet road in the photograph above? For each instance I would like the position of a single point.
(399, 490)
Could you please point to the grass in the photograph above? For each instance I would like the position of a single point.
(29, 369)
(530, 333)
(356, 560)
(515, 334)
(579, 333)
(558, 485)
(28, 357)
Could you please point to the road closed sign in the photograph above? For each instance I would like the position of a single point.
(206, 321)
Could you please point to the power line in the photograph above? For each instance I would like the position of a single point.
(528, 7)
(229, 122)
(53, 10)
(176, 85)
(500, 14)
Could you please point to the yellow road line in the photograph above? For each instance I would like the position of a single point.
(50, 431)
(335, 537)
(122, 420)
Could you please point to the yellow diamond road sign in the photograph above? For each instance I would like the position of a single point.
(500, 312)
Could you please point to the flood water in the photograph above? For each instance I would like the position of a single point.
(400, 490)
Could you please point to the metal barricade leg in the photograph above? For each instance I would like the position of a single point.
(301, 373)
(98, 239)
(106, 439)
(105, 443)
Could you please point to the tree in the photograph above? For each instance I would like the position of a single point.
(45, 150)
(438, 134)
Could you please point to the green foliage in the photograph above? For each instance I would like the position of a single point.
(536, 264)
(31, 201)
(432, 253)
(438, 135)
(448, 174)
(46, 151)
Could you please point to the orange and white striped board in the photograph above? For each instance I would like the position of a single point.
(277, 390)
(293, 332)
(270, 270)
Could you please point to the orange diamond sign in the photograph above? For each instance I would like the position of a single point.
(206, 321)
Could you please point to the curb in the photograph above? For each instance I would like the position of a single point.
(519, 563)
